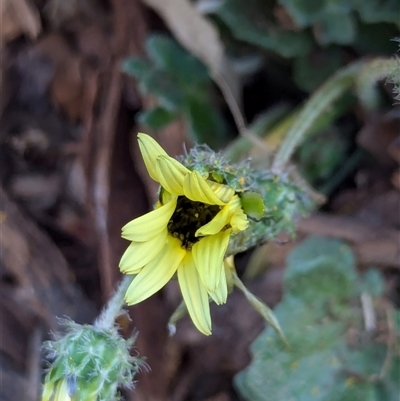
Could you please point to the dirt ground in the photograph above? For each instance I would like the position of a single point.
(71, 177)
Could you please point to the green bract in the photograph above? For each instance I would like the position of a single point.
(89, 363)
(271, 201)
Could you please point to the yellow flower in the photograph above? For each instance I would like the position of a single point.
(187, 233)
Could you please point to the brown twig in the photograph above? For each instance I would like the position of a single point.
(106, 129)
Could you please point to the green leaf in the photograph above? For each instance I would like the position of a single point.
(288, 43)
(376, 39)
(259, 127)
(156, 118)
(389, 389)
(136, 67)
(155, 81)
(182, 87)
(312, 70)
(167, 55)
(372, 11)
(339, 28)
(320, 268)
(331, 358)
(307, 328)
(285, 378)
(261, 308)
(161, 85)
(205, 122)
(249, 22)
(362, 362)
(304, 12)
(319, 156)
(351, 390)
(252, 204)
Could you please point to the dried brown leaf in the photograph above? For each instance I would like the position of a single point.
(18, 17)
(201, 38)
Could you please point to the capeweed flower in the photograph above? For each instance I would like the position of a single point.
(186, 234)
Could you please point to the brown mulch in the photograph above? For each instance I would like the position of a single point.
(71, 178)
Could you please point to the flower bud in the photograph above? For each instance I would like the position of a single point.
(89, 363)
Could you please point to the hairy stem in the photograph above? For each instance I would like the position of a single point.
(372, 72)
(319, 102)
(114, 306)
(259, 306)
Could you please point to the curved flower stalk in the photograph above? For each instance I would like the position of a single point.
(188, 234)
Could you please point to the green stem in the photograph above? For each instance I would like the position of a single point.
(259, 306)
(259, 128)
(319, 102)
(113, 308)
(374, 71)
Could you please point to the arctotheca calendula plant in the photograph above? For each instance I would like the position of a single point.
(207, 210)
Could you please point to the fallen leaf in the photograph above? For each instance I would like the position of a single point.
(18, 17)
(201, 38)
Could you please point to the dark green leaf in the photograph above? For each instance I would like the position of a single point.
(304, 12)
(136, 67)
(161, 85)
(156, 118)
(311, 70)
(252, 204)
(322, 268)
(167, 55)
(205, 122)
(249, 22)
(339, 28)
(379, 11)
(324, 362)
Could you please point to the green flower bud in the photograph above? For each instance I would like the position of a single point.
(89, 363)
(272, 202)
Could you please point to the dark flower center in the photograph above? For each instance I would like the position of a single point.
(188, 217)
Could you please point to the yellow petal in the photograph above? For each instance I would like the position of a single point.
(194, 294)
(148, 226)
(216, 224)
(196, 189)
(230, 211)
(208, 255)
(139, 254)
(165, 196)
(239, 221)
(156, 273)
(224, 192)
(221, 292)
(56, 391)
(230, 270)
(150, 150)
(170, 174)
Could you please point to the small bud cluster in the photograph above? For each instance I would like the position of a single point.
(272, 202)
(89, 363)
(204, 160)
